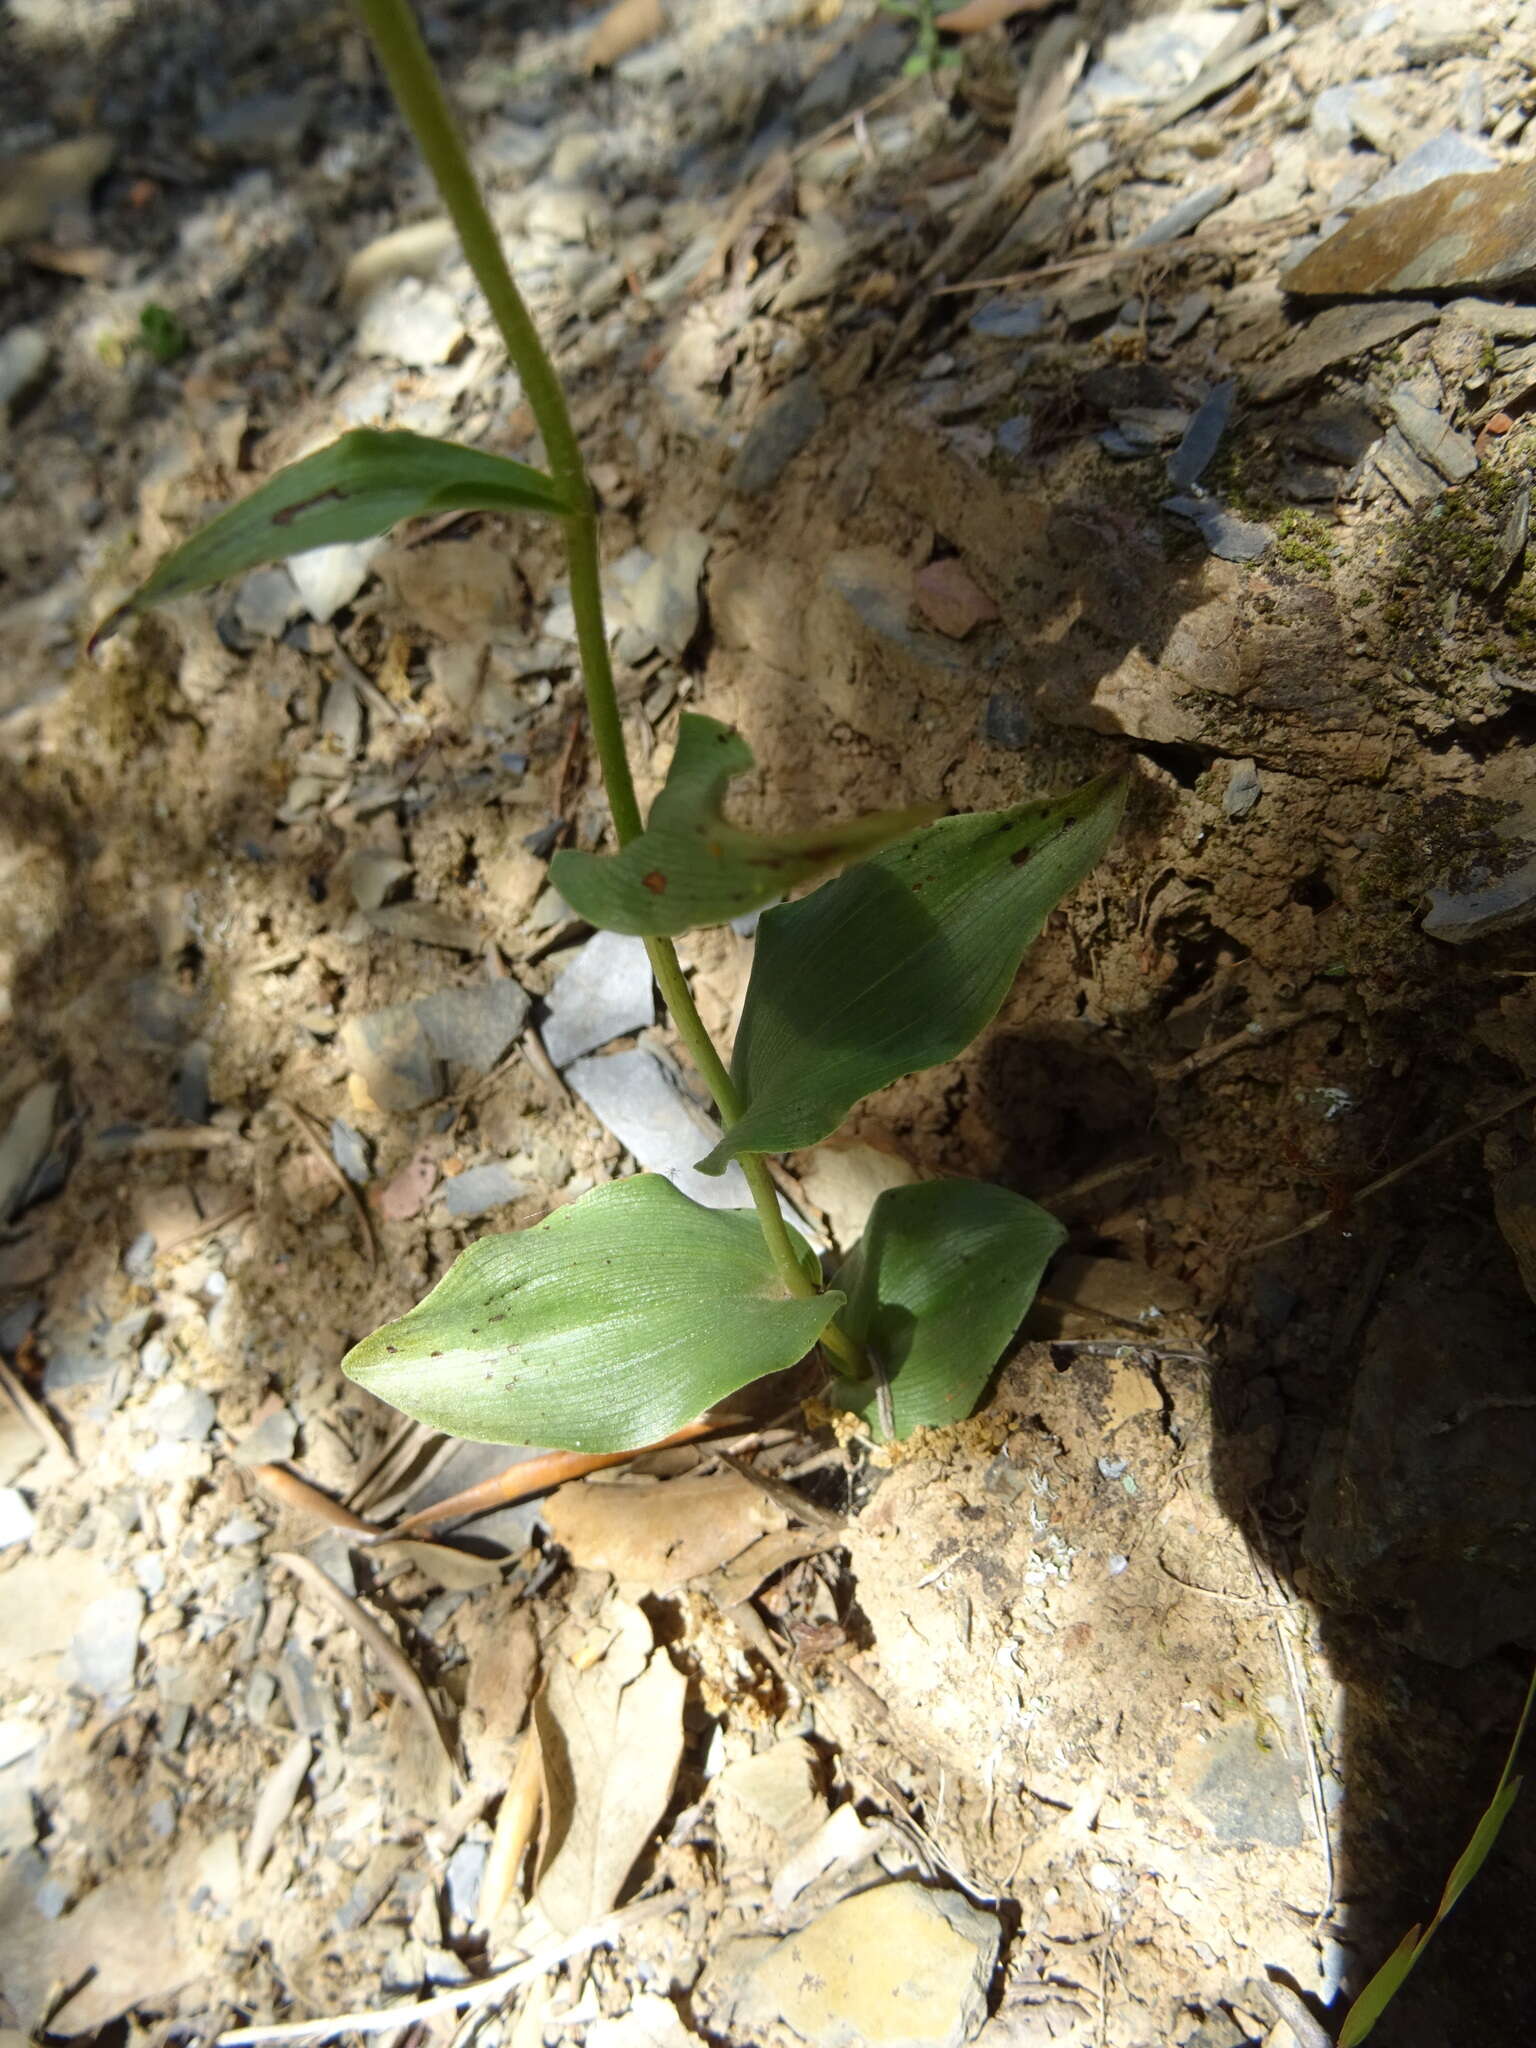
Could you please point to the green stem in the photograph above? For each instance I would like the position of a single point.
(418, 90)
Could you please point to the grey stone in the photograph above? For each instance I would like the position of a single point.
(642, 1102)
(480, 1189)
(564, 213)
(1202, 437)
(74, 1363)
(26, 1143)
(1249, 1790)
(466, 1868)
(1339, 335)
(372, 876)
(1406, 471)
(271, 1442)
(1337, 109)
(1008, 721)
(1482, 903)
(473, 1027)
(1446, 155)
(179, 1414)
(1242, 791)
(390, 1052)
(105, 1648)
(24, 357)
(349, 1149)
(1010, 319)
(783, 427)
(605, 992)
(1227, 536)
(1186, 216)
(663, 601)
(267, 601)
(879, 593)
(1014, 435)
(1429, 434)
(261, 128)
(190, 1096)
(410, 322)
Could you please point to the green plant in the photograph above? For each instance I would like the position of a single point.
(621, 1317)
(929, 54)
(1373, 2001)
(161, 334)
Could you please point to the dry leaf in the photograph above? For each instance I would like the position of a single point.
(275, 1802)
(976, 15)
(515, 1823)
(625, 26)
(501, 1643)
(611, 1739)
(659, 1537)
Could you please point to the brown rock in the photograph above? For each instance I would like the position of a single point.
(1476, 230)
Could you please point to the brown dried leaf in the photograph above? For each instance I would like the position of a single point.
(611, 1737)
(976, 15)
(625, 26)
(659, 1537)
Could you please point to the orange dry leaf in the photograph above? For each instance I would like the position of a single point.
(976, 15)
(626, 25)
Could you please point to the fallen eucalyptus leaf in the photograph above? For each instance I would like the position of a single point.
(691, 866)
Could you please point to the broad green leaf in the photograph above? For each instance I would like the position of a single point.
(898, 964)
(1380, 1992)
(690, 867)
(359, 486)
(610, 1324)
(936, 1287)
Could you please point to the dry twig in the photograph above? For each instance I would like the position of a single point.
(305, 1126)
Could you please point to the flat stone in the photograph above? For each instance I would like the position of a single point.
(417, 250)
(1243, 789)
(605, 992)
(349, 1149)
(899, 1965)
(105, 1647)
(1248, 1790)
(663, 601)
(1406, 471)
(424, 924)
(1010, 319)
(768, 1804)
(466, 1867)
(179, 1414)
(267, 601)
(641, 1101)
(16, 1519)
(372, 876)
(1008, 721)
(1202, 437)
(783, 427)
(45, 182)
(1485, 903)
(410, 322)
(1431, 435)
(329, 578)
(474, 1027)
(390, 1053)
(262, 128)
(880, 591)
(26, 1143)
(1465, 233)
(271, 1442)
(482, 1188)
(1446, 155)
(1227, 536)
(1185, 217)
(1338, 110)
(1338, 335)
(24, 356)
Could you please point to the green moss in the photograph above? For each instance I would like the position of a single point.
(1303, 540)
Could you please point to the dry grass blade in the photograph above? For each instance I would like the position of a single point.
(295, 1492)
(304, 1124)
(36, 1416)
(275, 1802)
(515, 1824)
(533, 1475)
(396, 1665)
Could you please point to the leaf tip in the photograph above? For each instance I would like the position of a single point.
(111, 625)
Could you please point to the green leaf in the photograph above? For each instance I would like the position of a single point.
(690, 867)
(899, 963)
(359, 486)
(936, 1287)
(1475, 1855)
(1380, 1992)
(610, 1324)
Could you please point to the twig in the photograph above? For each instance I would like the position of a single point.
(531, 1046)
(305, 1127)
(195, 1138)
(1102, 1177)
(604, 1933)
(787, 1497)
(190, 1238)
(532, 1475)
(1282, 1607)
(1398, 1173)
(1251, 1035)
(35, 1415)
(1287, 2005)
(394, 1660)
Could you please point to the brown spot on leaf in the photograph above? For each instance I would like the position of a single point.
(656, 882)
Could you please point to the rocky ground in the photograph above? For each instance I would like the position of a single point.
(1137, 388)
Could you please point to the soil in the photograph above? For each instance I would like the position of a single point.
(1194, 1656)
